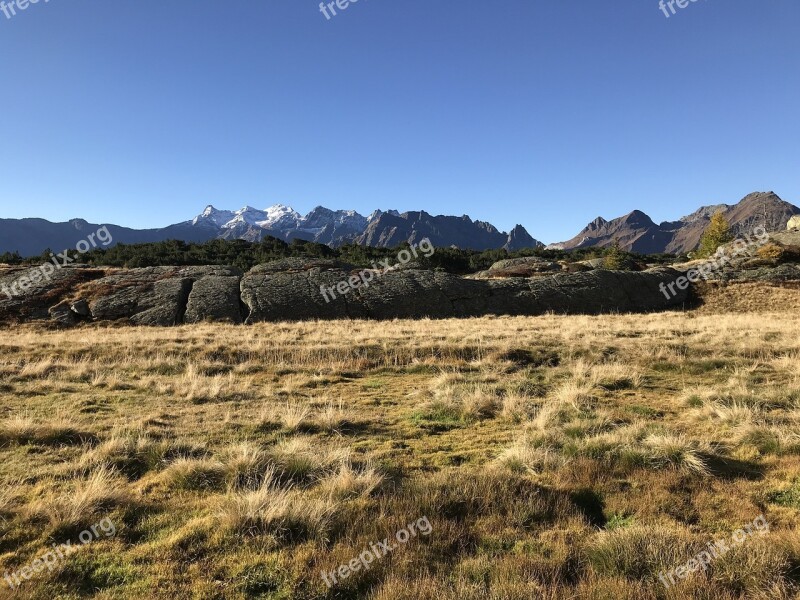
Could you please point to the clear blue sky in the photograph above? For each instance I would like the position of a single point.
(521, 111)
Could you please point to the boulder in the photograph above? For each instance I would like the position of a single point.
(28, 293)
(81, 307)
(625, 264)
(276, 295)
(214, 298)
(786, 238)
(593, 263)
(519, 267)
(63, 314)
(794, 223)
(152, 295)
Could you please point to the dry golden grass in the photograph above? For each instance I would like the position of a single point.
(349, 481)
(275, 511)
(294, 416)
(9, 496)
(84, 503)
(747, 298)
(555, 457)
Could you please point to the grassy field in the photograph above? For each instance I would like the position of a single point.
(554, 457)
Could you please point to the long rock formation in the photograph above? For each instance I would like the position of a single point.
(291, 290)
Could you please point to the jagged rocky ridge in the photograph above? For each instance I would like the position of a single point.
(290, 290)
(381, 229)
(636, 232)
(30, 237)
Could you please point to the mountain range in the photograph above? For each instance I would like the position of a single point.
(380, 229)
(635, 231)
(31, 237)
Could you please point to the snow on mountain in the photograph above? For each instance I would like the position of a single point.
(277, 217)
(213, 217)
(337, 227)
(321, 217)
(246, 216)
(375, 214)
(280, 217)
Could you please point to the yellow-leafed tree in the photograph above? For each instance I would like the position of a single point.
(716, 234)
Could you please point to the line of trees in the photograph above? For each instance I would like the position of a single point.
(245, 255)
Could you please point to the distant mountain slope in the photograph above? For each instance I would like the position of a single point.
(30, 237)
(389, 229)
(636, 232)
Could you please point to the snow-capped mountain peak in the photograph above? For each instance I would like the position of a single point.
(245, 216)
(375, 214)
(322, 216)
(277, 217)
(213, 217)
(336, 227)
(280, 216)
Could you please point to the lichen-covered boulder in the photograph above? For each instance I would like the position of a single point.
(153, 295)
(28, 293)
(335, 293)
(214, 298)
(529, 266)
(298, 289)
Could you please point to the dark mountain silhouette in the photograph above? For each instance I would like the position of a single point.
(30, 237)
(636, 232)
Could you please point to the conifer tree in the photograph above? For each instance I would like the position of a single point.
(615, 257)
(716, 234)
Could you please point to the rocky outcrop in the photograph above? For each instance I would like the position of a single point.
(519, 267)
(297, 289)
(794, 223)
(141, 299)
(214, 298)
(165, 295)
(29, 293)
(315, 294)
(774, 259)
(786, 238)
(767, 273)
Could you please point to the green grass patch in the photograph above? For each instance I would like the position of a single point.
(789, 498)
